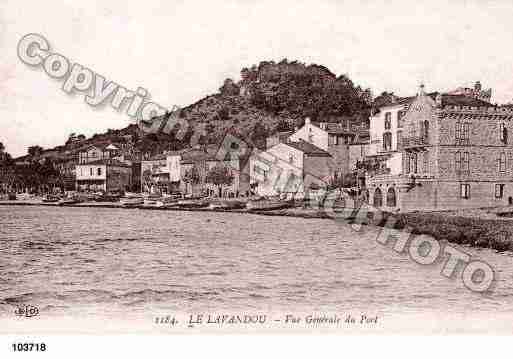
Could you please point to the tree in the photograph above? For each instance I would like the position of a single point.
(259, 135)
(283, 126)
(219, 175)
(229, 88)
(5, 158)
(191, 177)
(35, 150)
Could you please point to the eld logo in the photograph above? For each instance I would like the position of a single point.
(27, 311)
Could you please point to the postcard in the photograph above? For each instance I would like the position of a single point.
(243, 167)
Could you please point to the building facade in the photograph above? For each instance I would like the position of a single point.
(103, 176)
(291, 169)
(333, 138)
(455, 154)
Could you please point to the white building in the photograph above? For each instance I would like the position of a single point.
(103, 175)
(291, 169)
(386, 132)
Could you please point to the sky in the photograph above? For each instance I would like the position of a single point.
(181, 51)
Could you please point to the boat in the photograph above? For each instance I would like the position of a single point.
(266, 204)
(69, 200)
(50, 198)
(166, 202)
(151, 199)
(106, 197)
(226, 205)
(131, 201)
(192, 203)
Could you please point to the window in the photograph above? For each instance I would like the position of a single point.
(426, 130)
(466, 132)
(291, 158)
(399, 139)
(425, 162)
(99, 171)
(400, 116)
(388, 121)
(462, 133)
(378, 198)
(462, 162)
(91, 171)
(503, 133)
(387, 141)
(501, 162)
(413, 162)
(499, 190)
(465, 190)
(391, 202)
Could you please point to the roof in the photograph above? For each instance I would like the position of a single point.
(158, 157)
(308, 148)
(194, 155)
(462, 100)
(107, 162)
(334, 128)
(447, 100)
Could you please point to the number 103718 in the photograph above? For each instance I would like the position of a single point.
(29, 347)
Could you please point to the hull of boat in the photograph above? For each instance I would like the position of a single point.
(268, 205)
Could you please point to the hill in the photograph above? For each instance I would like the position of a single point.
(267, 98)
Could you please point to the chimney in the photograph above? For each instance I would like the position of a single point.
(307, 121)
(421, 90)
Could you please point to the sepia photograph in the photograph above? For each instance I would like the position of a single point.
(244, 167)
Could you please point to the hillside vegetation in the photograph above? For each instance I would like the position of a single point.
(266, 98)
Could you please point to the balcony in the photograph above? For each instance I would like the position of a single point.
(415, 143)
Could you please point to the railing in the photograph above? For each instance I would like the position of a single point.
(414, 141)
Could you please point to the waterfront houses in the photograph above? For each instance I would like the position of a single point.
(190, 171)
(454, 153)
(104, 175)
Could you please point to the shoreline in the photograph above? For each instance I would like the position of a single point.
(454, 227)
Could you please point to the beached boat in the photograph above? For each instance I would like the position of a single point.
(192, 203)
(50, 198)
(69, 200)
(227, 205)
(264, 204)
(166, 202)
(131, 201)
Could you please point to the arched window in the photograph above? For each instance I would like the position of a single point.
(391, 202)
(378, 198)
(387, 141)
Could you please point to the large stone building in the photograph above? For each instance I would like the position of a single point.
(455, 153)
